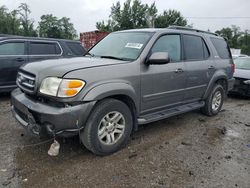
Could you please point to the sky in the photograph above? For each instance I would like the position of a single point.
(203, 14)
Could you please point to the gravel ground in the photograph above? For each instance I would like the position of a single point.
(189, 150)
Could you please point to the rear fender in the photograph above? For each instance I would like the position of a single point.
(220, 74)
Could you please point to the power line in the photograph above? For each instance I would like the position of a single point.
(194, 17)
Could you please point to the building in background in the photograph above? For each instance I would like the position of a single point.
(89, 39)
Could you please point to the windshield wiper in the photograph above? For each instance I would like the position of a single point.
(113, 57)
(89, 54)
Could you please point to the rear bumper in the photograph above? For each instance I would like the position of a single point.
(41, 118)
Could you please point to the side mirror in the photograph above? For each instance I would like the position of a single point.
(158, 58)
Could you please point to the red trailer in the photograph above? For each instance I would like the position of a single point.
(89, 39)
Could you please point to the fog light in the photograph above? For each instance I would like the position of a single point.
(50, 128)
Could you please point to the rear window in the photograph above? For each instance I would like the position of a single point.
(12, 48)
(76, 48)
(222, 48)
(195, 48)
(44, 48)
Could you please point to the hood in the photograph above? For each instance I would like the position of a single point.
(60, 67)
(242, 73)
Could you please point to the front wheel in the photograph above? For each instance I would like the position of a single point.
(108, 127)
(214, 101)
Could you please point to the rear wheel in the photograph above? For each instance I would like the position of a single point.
(108, 127)
(214, 101)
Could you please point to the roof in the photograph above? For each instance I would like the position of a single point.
(174, 28)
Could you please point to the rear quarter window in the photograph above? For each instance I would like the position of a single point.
(222, 48)
(76, 48)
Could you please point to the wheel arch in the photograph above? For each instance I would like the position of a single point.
(219, 78)
(119, 91)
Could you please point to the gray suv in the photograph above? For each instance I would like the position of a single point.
(129, 78)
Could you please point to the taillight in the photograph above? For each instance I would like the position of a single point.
(233, 67)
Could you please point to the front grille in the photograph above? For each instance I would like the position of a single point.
(26, 81)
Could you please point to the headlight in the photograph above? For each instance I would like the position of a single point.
(50, 86)
(247, 82)
(61, 87)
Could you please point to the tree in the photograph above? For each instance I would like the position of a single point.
(27, 24)
(236, 38)
(49, 26)
(10, 24)
(151, 15)
(170, 17)
(244, 43)
(52, 27)
(132, 15)
(67, 28)
(232, 35)
(226, 33)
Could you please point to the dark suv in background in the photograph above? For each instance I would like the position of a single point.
(16, 51)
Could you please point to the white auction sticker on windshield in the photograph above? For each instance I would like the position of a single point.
(134, 45)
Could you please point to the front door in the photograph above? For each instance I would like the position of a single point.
(162, 86)
(12, 56)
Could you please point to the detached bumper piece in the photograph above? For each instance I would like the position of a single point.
(41, 118)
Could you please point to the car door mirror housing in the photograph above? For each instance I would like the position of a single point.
(158, 58)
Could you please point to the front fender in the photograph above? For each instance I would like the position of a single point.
(110, 89)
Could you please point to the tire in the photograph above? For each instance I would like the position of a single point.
(210, 108)
(104, 122)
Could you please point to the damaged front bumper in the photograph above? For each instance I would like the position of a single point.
(41, 118)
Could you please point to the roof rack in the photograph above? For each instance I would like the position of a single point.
(191, 29)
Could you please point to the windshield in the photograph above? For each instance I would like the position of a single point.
(124, 45)
(242, 63)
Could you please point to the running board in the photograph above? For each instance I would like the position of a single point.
(169, 112)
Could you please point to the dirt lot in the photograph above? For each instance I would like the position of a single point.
(190, 150)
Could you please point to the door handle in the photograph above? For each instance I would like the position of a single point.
(179, 70)
(211, 67)
(19, 59)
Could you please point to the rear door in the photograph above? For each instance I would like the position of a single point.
(200, 67)
(12, 56)
(41, 50)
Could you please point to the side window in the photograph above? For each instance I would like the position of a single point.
(76, 48)
(170, 44)
(12, 48)
(221, 48)
(44, 48)
(195, 48)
